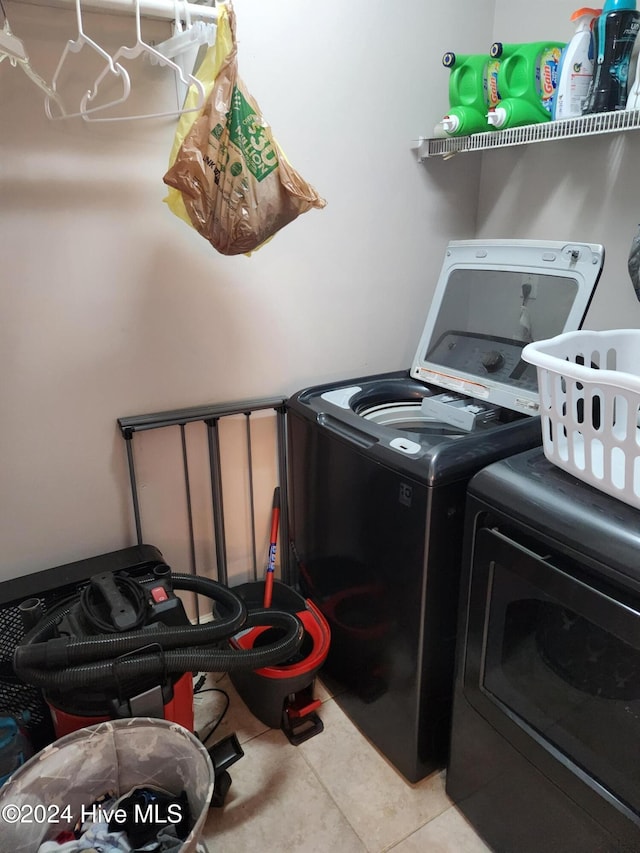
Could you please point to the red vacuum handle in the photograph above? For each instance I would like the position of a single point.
(275, 521)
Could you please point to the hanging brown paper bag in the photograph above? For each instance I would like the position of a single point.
(236, 185)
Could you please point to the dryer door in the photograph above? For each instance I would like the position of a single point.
(553, 663)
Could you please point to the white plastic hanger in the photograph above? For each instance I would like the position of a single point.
(185, 44)
(75, 46)
(134, 52)
(12, 48)
(186, 37)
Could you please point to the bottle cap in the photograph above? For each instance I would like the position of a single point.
(585, 12)
(497, 116)
(618, 6)
(450, 124)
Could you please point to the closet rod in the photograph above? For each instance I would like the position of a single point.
(162, 9)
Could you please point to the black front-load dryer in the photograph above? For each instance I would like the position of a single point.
(379, 467)
(546, 717)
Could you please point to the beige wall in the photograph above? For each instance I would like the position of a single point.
(110, 306)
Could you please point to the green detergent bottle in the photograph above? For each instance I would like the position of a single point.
(527, 81)
(473, 90)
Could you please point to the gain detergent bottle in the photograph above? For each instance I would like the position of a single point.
(527, 82)
(473, 89)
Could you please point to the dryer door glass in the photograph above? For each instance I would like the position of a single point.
(558, 652)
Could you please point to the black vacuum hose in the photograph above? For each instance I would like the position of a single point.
(180, 661)
(40, 648)
(54, 662)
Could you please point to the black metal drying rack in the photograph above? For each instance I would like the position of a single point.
(211, 415)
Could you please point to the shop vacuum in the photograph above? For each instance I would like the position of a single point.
(120, 643)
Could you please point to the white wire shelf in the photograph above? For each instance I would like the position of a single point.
(589, 125)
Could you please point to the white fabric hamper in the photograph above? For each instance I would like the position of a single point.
(589, 384)
(80, 767)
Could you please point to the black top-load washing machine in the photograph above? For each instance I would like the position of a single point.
(546, 715)
(378, 471)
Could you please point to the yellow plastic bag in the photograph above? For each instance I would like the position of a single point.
(228, 177)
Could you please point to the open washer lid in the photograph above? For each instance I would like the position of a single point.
(492, 298)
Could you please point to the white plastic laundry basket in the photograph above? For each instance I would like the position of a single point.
(48, 793)
(589, 385)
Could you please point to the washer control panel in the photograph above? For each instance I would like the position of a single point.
(483, 355)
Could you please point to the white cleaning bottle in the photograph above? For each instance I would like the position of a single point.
(576, 67)
(633, 100)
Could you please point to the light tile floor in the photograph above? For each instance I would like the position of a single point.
(334, 792)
